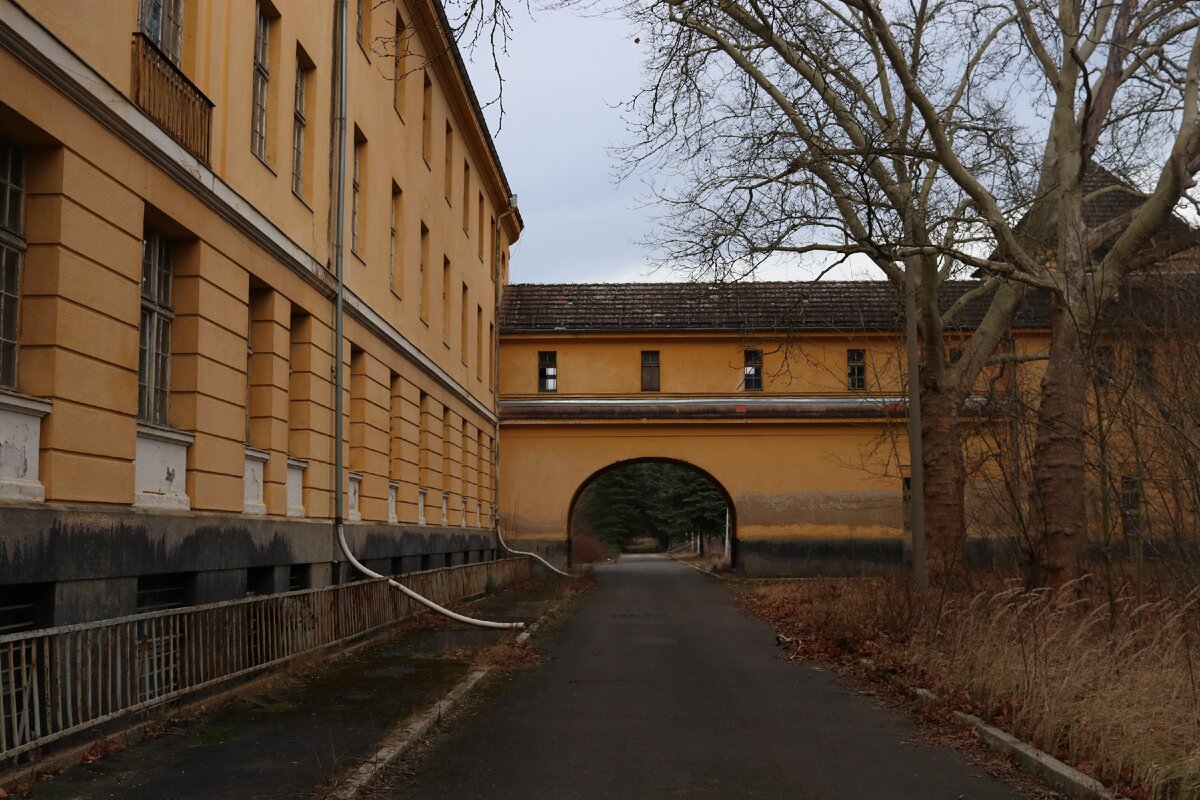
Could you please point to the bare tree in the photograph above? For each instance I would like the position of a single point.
(931, 138)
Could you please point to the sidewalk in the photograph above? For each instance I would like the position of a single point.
(296, 736)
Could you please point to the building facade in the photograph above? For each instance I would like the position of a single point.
(167, 224)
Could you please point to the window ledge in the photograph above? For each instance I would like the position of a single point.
(160, 433)
(24, 404)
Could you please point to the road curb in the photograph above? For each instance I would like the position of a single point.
(401, 739)
(1057, 775)
(707, 572)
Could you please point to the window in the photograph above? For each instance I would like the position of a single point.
(1143, 366)
(649, 370)
(155, 356)
(446, 301)
(399, 67)
(466, 203)
(360, 31)
(12, 249)
(479, 243)
(158, 592)
(753, 371)
(162, 23)
(492, 249)
(449, 168)
(262, 76)
(1131, 505)
(299, 123)
(423, 273)
(856, 369)
(260, 581)
(395, 273)
(25, 607)
(1106, 372)
(299, 577)
(956, 354)
(547, 372)
(360, 145)
(427, 119)
(464, 313)
(491, 354)
(478, 342)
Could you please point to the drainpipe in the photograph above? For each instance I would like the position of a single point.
(339, 340)
(512, 207)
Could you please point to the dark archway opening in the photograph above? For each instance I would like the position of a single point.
(651, 505)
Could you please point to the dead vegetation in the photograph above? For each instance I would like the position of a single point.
(1108, 687)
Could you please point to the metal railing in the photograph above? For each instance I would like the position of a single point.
(57, 682)
(170, 99)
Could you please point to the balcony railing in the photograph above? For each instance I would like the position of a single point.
(170, 99)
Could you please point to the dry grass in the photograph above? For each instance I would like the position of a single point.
(1111, 688)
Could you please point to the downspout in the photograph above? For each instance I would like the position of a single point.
(512, 207)
(338, 345)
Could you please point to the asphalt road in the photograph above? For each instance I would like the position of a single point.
(660, 688)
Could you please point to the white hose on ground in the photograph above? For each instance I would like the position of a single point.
(425, 601)
(504, 544)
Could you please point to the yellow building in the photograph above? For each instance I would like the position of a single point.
(166, 320)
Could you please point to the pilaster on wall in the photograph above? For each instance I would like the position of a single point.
(452, 464)
(270, 343)
(208, 373)
(79, 325)
(310, 410)
(406, 466)
(470, 470)
(369, 432)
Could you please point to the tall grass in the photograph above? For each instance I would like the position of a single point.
(1109, 687)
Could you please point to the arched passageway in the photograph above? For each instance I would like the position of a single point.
(651, 504)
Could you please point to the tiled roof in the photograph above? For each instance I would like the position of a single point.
(797, 306)
(759, 306)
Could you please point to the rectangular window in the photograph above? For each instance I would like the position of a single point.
(492, 247)
(262, 76)
(356, 192)
(464, 321)
(395, 270)
(299, 124)
(479, 242)
(1131, 505)
(423, 273)
(427, 120)
(548, 371)
(466, 203)
(25, 607)
(260, 581)
(162, 23)
(479, 342)
(155, 333)
(399, 66)
(856, 369)
(1106, 366)
(1143, 366)
(361, 28)
(299, 577)
(12, 250)
(448, 170)
(158, 592)
(491, 354)
(446, 301)
(752, 380)
(650, 371)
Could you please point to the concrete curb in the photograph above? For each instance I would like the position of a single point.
(1057, 775)
(401, 739)
(707, 572)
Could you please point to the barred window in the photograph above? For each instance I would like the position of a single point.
(752, 380)
(262, 75)
(154, 364)
(298, 126)
(12, 250)
(162, 23)
(548, 371)
(856, 369)
(650, 373)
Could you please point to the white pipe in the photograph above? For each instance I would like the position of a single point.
(504, 544)
(425, 601)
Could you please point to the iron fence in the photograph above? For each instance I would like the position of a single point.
(57, 682)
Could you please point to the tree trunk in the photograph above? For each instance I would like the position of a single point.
(1058, 458)
(942, 459)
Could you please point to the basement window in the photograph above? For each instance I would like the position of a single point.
(25, 606)
(650, 371)
(158, 592)
(753, 371)
(856, 369)
(260, 581)
(299, 577)
(548, 371)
